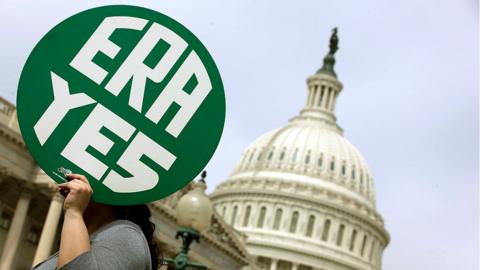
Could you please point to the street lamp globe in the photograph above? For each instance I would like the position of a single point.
(194, 209)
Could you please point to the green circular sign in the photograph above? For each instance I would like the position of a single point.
(126, 96)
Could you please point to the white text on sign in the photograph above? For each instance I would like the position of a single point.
(132, 69)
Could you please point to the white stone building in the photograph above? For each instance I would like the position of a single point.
(300, 198)
(31, 213)
(303, 194)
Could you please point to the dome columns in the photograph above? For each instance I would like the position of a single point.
(360, 242)
(314, 187)
(323, 91)
(323, 86)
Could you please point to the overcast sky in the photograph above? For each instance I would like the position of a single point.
(410, 99)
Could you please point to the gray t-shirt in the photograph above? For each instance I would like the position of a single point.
(120, 245)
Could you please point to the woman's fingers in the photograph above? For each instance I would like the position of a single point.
(62, 185)
(80, 186)
(76, 185)
(78, 176)
(64, 192)
(81, 179)
(77, 193)
(64, 189)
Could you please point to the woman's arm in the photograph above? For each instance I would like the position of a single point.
(74, 238)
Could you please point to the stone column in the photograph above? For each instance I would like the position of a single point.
(331, 99)
(49, 231)
(325, 94)
(358, 242)
(316, 95)
(13, 117)
(14, 235)
(379, 253)
(242, 211)
(294, 266)
(256, 215)
(321, 95)
(310, 96)
(273, 266)
(334, 225)
(347, 236)
(303, 223)
(334, 101)
(368, 247)
(234, 215)
(286, 218)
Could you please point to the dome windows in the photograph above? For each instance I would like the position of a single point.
(294, 222)
(326, 229)
(344, 169)
(282, 154)
(332, 164)
(251, 155)
(261, 217)
(224, 210)
(278, 219)
(281, 157)
(260, 154)
(295, 155)
(270, 155)
(307, 157)
(311, 224)
(361, 182)
(320, 160)
(234, 215)
(247, 216)
(341, 230)
(302, 224)
(326, 156)
(283, 265)
(352, 240)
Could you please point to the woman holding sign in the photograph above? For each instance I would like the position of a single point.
(99, 236)
(136, 82)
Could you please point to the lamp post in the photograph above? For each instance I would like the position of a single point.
(194, 211)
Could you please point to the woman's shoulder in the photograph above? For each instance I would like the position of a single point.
(120, 230)
(120, 224)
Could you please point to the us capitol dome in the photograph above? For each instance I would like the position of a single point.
(302, 194)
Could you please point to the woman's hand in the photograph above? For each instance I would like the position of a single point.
(78, 193)
(74, 239)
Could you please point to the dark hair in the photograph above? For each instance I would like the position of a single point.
(140, 215)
